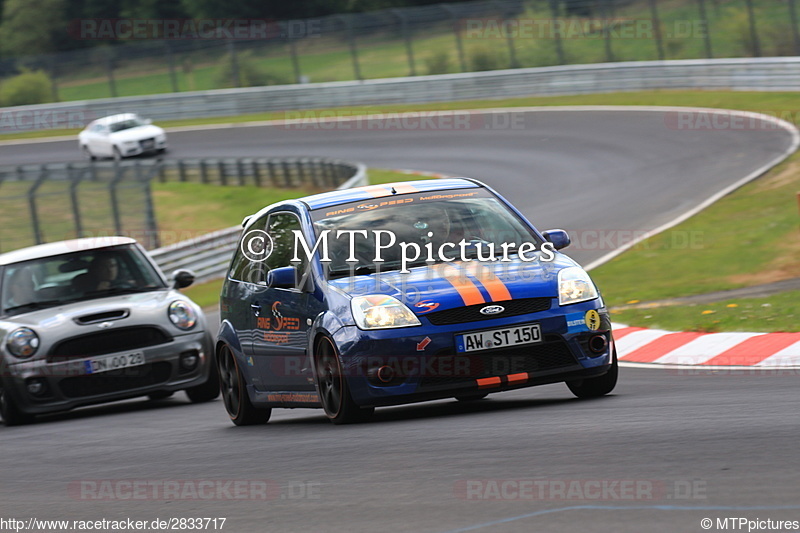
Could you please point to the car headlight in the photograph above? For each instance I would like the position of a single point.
(182, 315)
(22, 342)
(382, 312)
(575, 285)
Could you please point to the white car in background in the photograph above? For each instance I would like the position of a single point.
(122, 135)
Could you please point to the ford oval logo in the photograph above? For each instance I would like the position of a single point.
(492, 310)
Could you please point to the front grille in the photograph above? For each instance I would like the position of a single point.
(111, 341)
(549, 355)
(148, 144)
(116, 381)
(472, 313)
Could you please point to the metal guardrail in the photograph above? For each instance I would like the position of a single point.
(209, 255)
(58, 201)
(761, 74)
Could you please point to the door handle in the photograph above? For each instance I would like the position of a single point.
(256, 309)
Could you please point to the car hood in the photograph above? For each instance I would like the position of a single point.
(80, 317)
(442, 287)
(136, 134)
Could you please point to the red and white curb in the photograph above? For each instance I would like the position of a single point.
(686, 348)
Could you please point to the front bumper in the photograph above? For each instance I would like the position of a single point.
(424, 364)
(68, 385)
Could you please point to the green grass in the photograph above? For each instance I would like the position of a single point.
(779, 312)
(782, 104)
(747, 238)
(180, 204)
(383, 54)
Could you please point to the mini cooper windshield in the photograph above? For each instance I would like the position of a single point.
(443, 227)
(82, 275)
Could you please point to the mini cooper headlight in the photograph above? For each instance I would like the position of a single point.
(22, 342)
(382, 312)
(575, 285)
(182, 315)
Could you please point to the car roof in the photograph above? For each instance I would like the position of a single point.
(338, 197)
(113, 119)
(61, 247)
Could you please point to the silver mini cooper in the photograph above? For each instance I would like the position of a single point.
(94, 320)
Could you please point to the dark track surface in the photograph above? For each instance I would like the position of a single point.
(705, 444)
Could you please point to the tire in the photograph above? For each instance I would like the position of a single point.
(88, 154)
(116, 154)
(10, 412)
(334, 392)
(596, 387)
(160, 395)
(234, 394)
(207, 391)
(472, 397)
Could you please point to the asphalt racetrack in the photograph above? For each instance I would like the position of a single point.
(666, 450)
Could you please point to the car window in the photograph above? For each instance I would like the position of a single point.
(247, 264)
(437, 218)
(126, 124)
(281, 229)
(82, 275)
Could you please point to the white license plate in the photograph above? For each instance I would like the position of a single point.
(498, 338)
(113, 362)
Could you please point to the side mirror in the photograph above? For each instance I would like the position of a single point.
(282, 278)
(558, 237)
(148, 121)
(182, 278)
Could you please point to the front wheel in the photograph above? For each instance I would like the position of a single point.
(595, 387)
(234, 392)
(116, 155)
(10, 412)
(333, 390)
(88, 154)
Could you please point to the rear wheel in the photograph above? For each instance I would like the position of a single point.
(12, 415)
(599, 386)
(234, 393)
(333, 390)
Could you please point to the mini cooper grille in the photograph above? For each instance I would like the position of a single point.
(116, 381)
(110, 341)
(550, 355)
(472, 313)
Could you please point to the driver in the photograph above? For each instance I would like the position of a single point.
(103, 274)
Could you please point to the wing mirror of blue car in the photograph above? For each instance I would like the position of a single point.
(558, 237)
(182, 278)
(282, 278)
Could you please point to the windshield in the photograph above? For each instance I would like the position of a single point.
(53, 281)
(126, 124)
(453, 225)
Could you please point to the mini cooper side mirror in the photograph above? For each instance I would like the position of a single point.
(182, 278)
(558, 237)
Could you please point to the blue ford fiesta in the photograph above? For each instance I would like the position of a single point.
(400, 293)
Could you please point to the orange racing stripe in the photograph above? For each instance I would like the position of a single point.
(468, 291)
